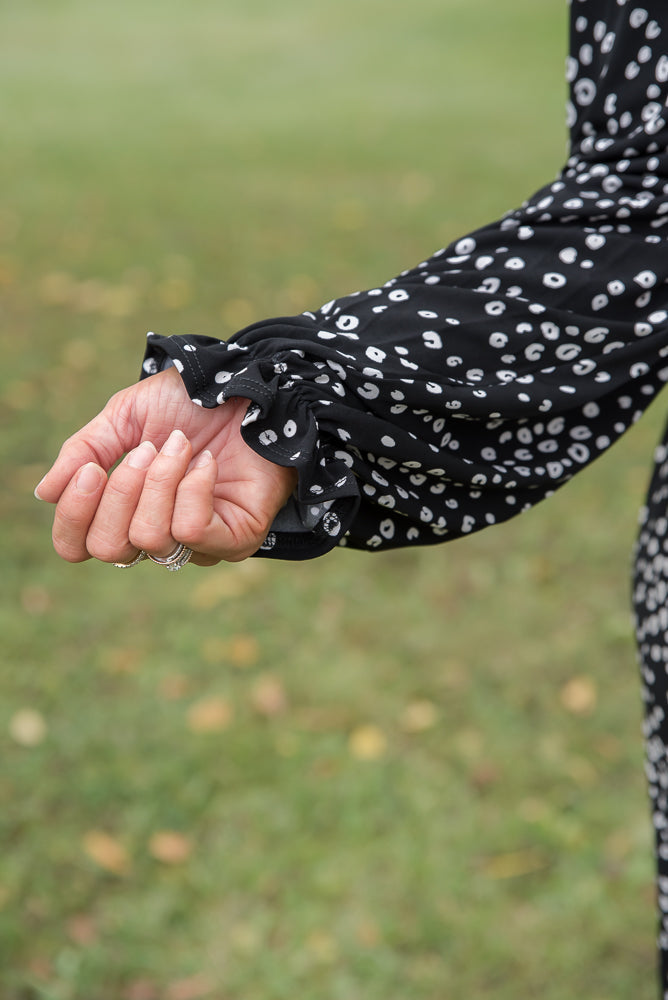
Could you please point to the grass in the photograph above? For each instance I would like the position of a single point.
(416, 774)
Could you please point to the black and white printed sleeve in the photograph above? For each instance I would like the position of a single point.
(472, 386)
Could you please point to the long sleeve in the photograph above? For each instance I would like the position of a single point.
(470, 387)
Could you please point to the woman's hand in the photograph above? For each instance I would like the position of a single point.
(187, 476)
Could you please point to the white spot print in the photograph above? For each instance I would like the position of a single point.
(495, 308)
(646, 279)
(290, 429)
(268, 437)
(465, 246)
(552, 279)
(347, 323)
(498, 340)
(515, 264)
(568, 255)
(584, 91)
(432, 340)
(398, 295)
(375, 354)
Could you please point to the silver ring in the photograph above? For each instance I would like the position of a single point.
(141, 555)
(176, 560)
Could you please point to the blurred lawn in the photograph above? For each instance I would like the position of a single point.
(406, 775)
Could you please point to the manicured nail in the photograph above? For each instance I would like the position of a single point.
(142, 456)
(88, 479)
(37, 496)
(203, 459)
(175, 443)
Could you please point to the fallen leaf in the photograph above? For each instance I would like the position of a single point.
(27, 727)
(170, 847)
(107, 852)
(367, 742)
(35, 599)
(141, 989)
(579, 696)
(513, 864)
(322, 946)
(210, 715)
(419, 716)
(192, 988)
(121, 660)
(243, 650)
(173, 687)
(484, 774)
(268, 696)
(368, 933)
(82, 930)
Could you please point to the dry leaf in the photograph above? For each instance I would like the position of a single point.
(227, 583)
(322, 946)
(174, 686)
(210, 715)
(107, 852)
(484, 774)
(170, 847)
(368, 934)
(141, 989)
(82, 930)
(35, 599)
(27, 727)
(513, 864)
(193, 988)
(579, 696)
(243, 650)
(368, 742)
(122, 660)
(419, 716)
(268, 696)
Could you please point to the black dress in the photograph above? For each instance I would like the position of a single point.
(470, 387)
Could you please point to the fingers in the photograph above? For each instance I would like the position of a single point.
(75, 512)
(194, 521)
(150, 527)
(108, 535)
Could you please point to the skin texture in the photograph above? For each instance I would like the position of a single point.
(187, 476)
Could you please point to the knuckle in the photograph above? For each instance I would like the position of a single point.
(148, 536)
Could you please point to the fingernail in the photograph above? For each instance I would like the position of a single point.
(203, 460)
(37, 496)
(142, 456)
(88, 479)
(175, 443)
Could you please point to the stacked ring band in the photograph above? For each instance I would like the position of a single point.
(178, 558)
(173, 562)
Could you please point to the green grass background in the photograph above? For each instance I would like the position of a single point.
(190, 167)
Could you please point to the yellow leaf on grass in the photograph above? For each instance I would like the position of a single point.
(170, 847)
(268, 696)
(210, 715)
(192, 988)
(513, 864)
(27, 727)
(419, 716)
(579, 696)
(107, 852)
(368, 742)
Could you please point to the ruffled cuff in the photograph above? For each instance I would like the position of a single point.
(279, 425)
